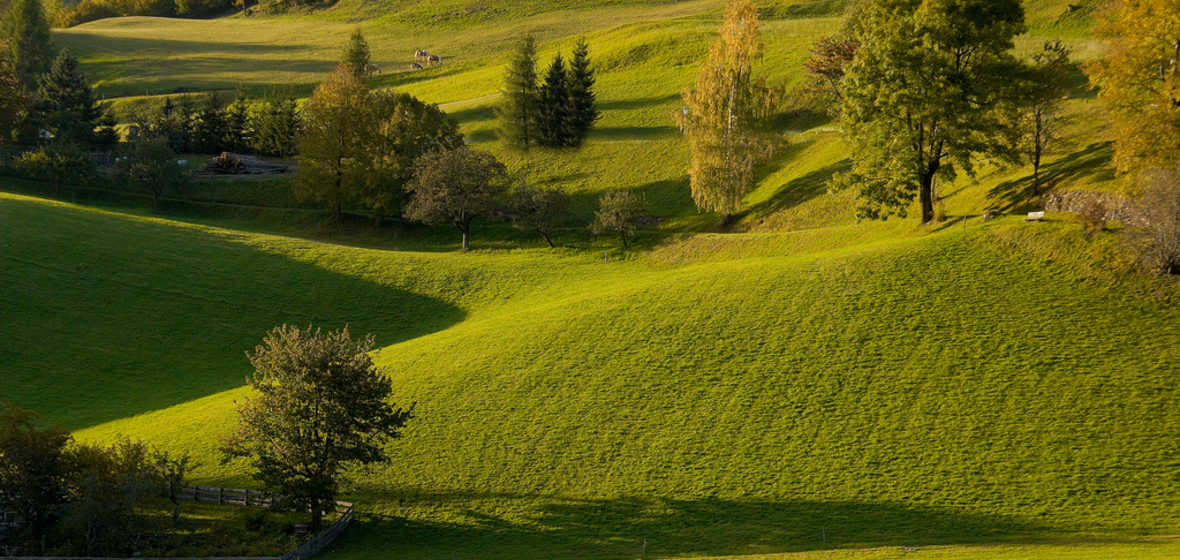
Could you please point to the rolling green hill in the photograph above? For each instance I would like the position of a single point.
(796, 383)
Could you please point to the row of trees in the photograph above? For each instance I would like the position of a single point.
(557, 112)
(267, 127)
(91, 10)
(80, 499)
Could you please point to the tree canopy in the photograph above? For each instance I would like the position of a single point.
(518, 109)
(725, 114)
(318, 406)
(356, 52)
(617, 213)
(27, 31)
(919, 97)
(333, 149)
(1139, 81)
(455, 187)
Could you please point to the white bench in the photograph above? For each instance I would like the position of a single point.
(1034, 217)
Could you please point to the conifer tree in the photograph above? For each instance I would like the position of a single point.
(237, 125)
(14, 104)
(65, 105)
(209, 126)
(583, 113)
(724, 115)
(518, 110)
(27, 31)
(275, 125)
(553, 107)
(356, 53)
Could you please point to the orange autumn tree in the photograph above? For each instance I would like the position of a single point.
(726, 114)
(1139, 81)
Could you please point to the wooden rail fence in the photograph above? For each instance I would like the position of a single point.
(245, 497)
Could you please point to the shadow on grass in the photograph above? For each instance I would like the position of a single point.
(619, 528)
(144, 315)
(797, 191)
(1090, 163)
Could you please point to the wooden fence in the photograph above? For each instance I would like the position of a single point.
(244, 497)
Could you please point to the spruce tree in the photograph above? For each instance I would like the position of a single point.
(25, 27)
(553, 107)
(209, 127)
(14, 104)
(356, 53)
(237, 125)
(518, 111)
(64, 104)
(583, 113)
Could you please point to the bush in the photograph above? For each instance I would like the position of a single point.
(57, 164)
(1091, 215)
(1157, 208)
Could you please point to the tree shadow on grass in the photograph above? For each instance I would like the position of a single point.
(798, 190)
(108, 317)
(1091, 163)
(667, 527)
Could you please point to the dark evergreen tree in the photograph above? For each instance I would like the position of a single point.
(276, 123)
(583, 113)
(209, 127)
(553, 107)
(518, 110)
(237, 125)
(64, 105)
(356, 53)
(106, 136)
(14, 103)
(25, 27)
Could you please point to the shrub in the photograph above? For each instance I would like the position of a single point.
(1157, 208)
(1091, 215)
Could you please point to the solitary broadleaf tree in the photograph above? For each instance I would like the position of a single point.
(1139, 81)
(1044, 87)
(455, 187)
(919, 97)
(725, 115)
(318, 406)
(537, 209)
(333, 149)
(517, 111)
(618, 212)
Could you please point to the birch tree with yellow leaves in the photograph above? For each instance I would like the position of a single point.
(726, 115)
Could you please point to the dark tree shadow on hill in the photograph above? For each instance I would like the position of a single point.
(796, 191)
(618, 528)
(1090, 163)
(143, 315)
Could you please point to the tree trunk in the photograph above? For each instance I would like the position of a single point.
(317, 516)
(926, 196)
(545, 235)
(623, 234)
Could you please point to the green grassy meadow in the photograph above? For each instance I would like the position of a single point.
(795, 386)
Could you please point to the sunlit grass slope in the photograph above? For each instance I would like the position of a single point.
(892, 389)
